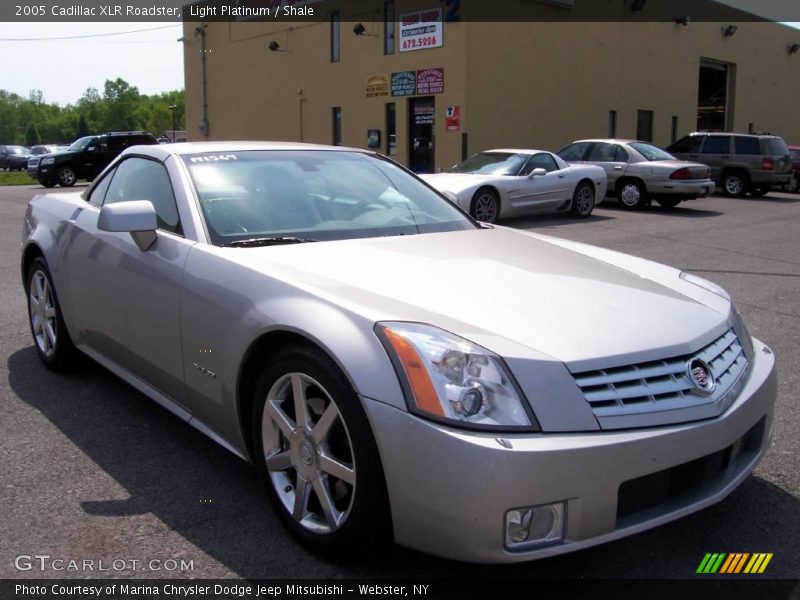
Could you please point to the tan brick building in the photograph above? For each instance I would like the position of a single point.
(470, 85)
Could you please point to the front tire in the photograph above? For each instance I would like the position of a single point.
(66, 176)
(485, 206)
(50, 336)
(632, 195)
(582, 200)
(314, 450)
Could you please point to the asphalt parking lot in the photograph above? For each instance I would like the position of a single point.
(93, 470)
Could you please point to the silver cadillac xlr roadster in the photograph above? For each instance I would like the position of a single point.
(393, 368)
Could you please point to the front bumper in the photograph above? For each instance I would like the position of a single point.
(683, 189)
(449, 490)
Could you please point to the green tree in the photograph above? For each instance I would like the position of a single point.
(83, 127)
(32, 135)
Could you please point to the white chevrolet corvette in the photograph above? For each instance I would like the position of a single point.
(507, 183)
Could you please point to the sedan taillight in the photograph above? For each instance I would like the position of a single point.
(683, 173)
(768, 164)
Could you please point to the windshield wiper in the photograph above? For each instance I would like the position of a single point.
(267, 241)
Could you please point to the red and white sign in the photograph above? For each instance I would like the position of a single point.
(421, 29)
(430, 81)
(453, 118)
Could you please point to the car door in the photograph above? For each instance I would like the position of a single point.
(610, 157)
(716, 153)
(128, 300)
(541, 192)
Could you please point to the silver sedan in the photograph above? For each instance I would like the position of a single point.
(394, 369)
(639, 171)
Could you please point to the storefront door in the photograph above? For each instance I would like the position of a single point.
(421, 115)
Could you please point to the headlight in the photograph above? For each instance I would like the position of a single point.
(48, 161)
(707, 285)
(446, 377)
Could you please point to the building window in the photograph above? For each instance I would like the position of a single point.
(388, 29)
(337, 125)
(335, 37)
(674, 135)
(391, 129)
(612, 123)
(644, 125)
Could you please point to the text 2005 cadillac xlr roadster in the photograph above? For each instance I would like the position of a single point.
(393, 368)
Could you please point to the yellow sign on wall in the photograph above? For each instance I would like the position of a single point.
(377, 85)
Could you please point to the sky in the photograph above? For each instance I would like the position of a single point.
(64, 69)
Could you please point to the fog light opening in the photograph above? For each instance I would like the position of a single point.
(535, 525)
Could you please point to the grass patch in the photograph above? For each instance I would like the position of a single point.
(16, 178)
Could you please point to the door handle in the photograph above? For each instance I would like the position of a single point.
(725, 156)
(618, 168)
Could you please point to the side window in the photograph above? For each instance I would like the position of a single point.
(689, 144)
(602, 152)
(717, 144)
(620, 154)
(543, 161)
(574, 151)
(99, 191)
(143, 179)
(746, 145)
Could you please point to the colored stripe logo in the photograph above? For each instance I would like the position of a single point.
(734, 563)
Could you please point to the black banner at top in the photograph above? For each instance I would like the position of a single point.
(454, 11)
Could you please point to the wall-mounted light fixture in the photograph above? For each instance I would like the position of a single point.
(359, 29)
(729, 31)
(683, 20)
(637, 5)
(793, 49)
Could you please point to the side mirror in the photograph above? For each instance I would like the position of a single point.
(537, 173)
(91, 148)
(137, 217)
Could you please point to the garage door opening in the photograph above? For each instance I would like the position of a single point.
(713, 97)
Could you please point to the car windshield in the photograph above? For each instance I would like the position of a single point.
(17, 150)
(492, 163)
(81, 143)
(651, 152)
(314, 195)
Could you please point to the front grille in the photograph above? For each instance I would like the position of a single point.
(33, 162)
(664, 385)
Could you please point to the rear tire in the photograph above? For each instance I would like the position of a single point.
(582, 200)
(632, 195)
(310, 433)
(50, 336)
(794, 184)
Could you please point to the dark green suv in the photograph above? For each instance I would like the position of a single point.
(740, 163)
(87, 156)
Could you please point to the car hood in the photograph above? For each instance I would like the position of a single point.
(458, 182)
(497, 284)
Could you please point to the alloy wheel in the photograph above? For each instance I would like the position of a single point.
(585, 200)
(486, 207)
(43, 313)
(308, 453)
